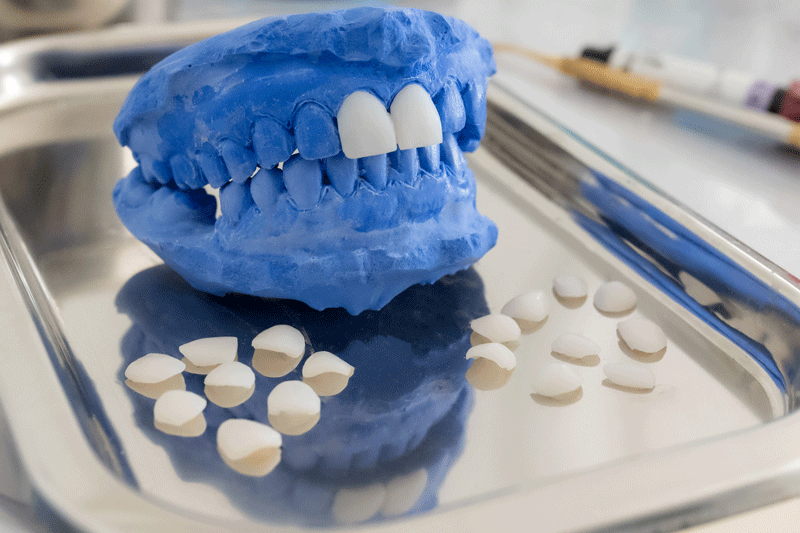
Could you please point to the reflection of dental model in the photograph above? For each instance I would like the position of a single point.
(336, 142)
(180, 412)
(327, 374)
(492, 366)
(154, 374)
(249, 447)
(278, 350)
(201, 356)
(293, 407)
(403, 492)
(230, 384)
(354, 505)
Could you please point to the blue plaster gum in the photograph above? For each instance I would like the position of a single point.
(213, 111)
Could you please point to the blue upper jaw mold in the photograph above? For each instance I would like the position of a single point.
(335, 140)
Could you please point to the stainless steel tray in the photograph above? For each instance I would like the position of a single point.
(718, 434)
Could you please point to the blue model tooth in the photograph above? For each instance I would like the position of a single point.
(234, 200)
(375, 170)
(406, 163)
(342, 172)
(240, 162)
(303, 179)
(265, 187)
(451, 154)
(154, 171)
(251, 97)
(315, 133)
(429, 159)
(134, 190)
(451, 108)
(272, 142)
(475, 106)
(213, 168)
(183, 171)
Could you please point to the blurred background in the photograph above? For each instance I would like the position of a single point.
(744, 183)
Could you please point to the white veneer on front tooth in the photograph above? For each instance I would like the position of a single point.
(416, 121)
(365, 128)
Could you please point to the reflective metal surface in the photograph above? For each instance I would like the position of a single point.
(81, 298)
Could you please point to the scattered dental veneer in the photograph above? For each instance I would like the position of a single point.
(575, 346)
(326, 373)
(278, 350)
(403, 492)
(614, 297)
(529, 308)
(154, 374)
(642, 335)
(293, 407)
(230, 384)
(353, 505)
(180, 413)
(249, 447)
(496, 328)
(569, 287)
(492, 366)
(201, 356)
(630, 375)
(556, 380)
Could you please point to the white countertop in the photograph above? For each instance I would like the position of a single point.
(746, 185)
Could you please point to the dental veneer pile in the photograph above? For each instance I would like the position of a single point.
(495, 336)
(247, 446)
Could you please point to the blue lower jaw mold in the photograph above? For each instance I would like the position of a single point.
(335, 140)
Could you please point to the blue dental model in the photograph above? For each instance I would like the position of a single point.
(257, 112)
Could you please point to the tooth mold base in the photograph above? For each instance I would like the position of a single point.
(254, 112)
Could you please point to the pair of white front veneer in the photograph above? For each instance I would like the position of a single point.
(367, 129)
